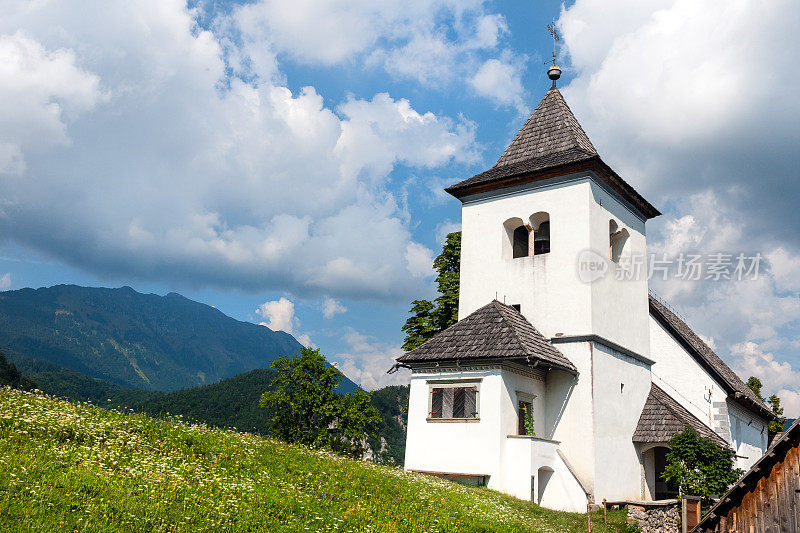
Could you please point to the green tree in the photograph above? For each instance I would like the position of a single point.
(304, 408)
(419, 327)
(698, 466)
(10, 375)
(357, 420)
(777, 425)
(427, 319)
(755, 385)
(448, 267)
(774, 402)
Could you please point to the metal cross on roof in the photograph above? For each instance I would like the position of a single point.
(556, 37)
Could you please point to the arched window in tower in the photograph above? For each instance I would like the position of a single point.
(516, 238)
(520, 247)
(616, 241)
(541, 233)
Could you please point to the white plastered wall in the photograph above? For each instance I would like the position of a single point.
(548, 287)
(749, 435)
(620, 305)
(456, 447)
(524, 459)
(621, 385)
(685, 380)
(533, 388)
(484, 447)
(536, 463)
(569, 412)
(681, 376)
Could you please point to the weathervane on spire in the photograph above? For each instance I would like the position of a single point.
(554, 72)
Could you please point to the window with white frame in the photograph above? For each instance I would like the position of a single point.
(453, 401)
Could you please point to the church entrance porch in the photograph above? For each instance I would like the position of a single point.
(654, 486)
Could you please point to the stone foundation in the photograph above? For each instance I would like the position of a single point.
(661, 516)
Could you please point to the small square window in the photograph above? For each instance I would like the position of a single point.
(452, 402)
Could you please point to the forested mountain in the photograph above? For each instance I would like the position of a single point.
(131, 339)
(231, 403)
(158, 355)
(392, 404)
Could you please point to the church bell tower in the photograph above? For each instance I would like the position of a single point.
(552, 229)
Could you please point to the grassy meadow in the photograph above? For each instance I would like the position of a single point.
(75, 467)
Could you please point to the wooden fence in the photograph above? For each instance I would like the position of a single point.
(766, 499)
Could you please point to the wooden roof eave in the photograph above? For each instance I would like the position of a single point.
(593, 163)
(529, 361)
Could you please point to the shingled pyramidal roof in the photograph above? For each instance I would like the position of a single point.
(553, 132)
(495, 331)
(662, 417)
(551, 140)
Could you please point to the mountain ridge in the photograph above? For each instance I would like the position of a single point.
(135, 340)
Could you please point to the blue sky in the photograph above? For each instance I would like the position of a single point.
(283, 161)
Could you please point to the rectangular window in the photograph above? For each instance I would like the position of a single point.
(436, 403)
(454, 402)
(525, 418)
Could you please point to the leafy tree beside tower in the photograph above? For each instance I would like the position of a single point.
(429, 318)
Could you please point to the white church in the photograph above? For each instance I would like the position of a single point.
(558, 385)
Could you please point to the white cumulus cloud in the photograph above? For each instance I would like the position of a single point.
(419, 260)
(367, 360)
(42, 91)
(138, 155)
(500, 82)
(279, 315)
(5, 281)
(331, 308)
(436, 43)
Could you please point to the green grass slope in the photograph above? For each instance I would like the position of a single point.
(230, 403)
(74, 467)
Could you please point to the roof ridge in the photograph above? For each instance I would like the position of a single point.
(704, 351)
(511, 326)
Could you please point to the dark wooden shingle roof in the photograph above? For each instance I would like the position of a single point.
(551, 129)
(495, 331)
(662, 417)
(551, 139)
(707, 358)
